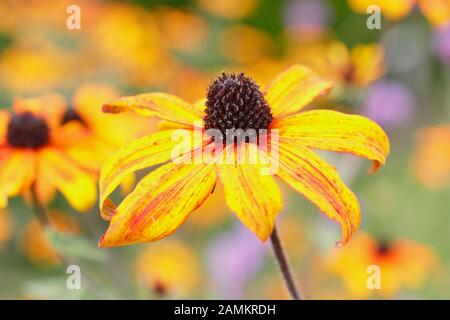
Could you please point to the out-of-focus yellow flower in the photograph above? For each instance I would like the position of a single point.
(5, 227)
(168, 268)
(164, 199)
(360, 66)
(128, 41)
(431, 160)
(37, 247)
(391, 9)
(183, 30)
(29, 70)
(230, 9)
(436, 11)
(404, 264)
(24, 16)
(103, 133)
(243, 44)
(33, 154)
(189, 83)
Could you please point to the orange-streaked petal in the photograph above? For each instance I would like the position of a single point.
(141, 153)
(160, 105)
(160, 203)
(319, 182)
(255, 198)
(336, 131)
(293, 89)
(16, 173)
(77, 187)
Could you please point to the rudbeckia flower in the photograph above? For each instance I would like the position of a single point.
(84, 114)
(165, 197)
(33, 155)
(403, 264)
(357, 66)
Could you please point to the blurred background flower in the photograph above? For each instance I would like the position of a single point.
(402, 264)
(168, 268)
(234, 258)
(441, 41)
(391, 104)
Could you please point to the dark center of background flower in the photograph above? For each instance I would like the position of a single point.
(236, 102)
(27, 130)
(72, 115)
(384, 247)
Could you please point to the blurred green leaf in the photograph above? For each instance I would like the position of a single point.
(74, 246)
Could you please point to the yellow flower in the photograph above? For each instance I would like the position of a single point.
(231, 9)
(164, 198)
(249, 43)
(34, 69)
(37, 247)
(436, 11)
(403, 264)
(5, 227)
(175, 24)
(33, 154)
(431, 160)
(168, 268)
(359, 66)
(84, 114)
(135, 49)
(189, 83)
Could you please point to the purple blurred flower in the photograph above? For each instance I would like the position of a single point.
(233, 259)
(441, 43)
(390, 103)
(307, 15)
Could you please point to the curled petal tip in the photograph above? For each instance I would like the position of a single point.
(109, 108)
(374, 168)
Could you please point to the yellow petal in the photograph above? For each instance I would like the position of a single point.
(160, 105)
(254, 197)
(319, 182)
(159, 204)
(16, 174)
(293, 89)
(336, 131)
(139, 154)
(77, 187)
